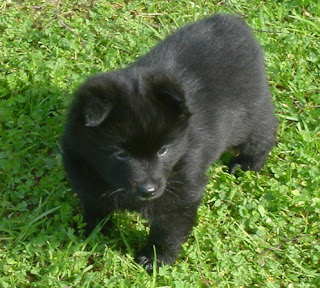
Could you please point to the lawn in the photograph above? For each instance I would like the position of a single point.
(256, 230)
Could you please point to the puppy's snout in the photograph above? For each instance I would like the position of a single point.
(147, 190)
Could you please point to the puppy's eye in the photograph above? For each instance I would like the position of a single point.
(121, 155)
(163, 150)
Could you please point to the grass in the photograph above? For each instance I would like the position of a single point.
(259, 230)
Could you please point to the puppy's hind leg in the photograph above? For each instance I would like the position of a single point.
(256, 148)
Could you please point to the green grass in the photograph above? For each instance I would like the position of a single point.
(259, 230)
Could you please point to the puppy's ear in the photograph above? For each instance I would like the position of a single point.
(96, 112)
(172, 95)
(96, 97)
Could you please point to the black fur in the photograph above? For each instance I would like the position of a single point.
(142, 138)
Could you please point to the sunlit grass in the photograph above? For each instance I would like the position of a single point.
(257, 230)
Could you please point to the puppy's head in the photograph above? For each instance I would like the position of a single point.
(132, 128)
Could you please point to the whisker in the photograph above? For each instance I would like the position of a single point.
(110, 194)
(172, 192)
(116, 191)
(175, 182)
(177, 195)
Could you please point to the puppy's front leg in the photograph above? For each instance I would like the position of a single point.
(168, 232)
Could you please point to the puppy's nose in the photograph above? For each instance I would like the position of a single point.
(147, 190)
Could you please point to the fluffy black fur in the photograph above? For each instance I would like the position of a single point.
(142, 138)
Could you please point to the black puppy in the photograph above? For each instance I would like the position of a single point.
(142, 138)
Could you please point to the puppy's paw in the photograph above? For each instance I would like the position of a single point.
(234, 168)
(238, 164)
(149, 257)
(146, 262)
